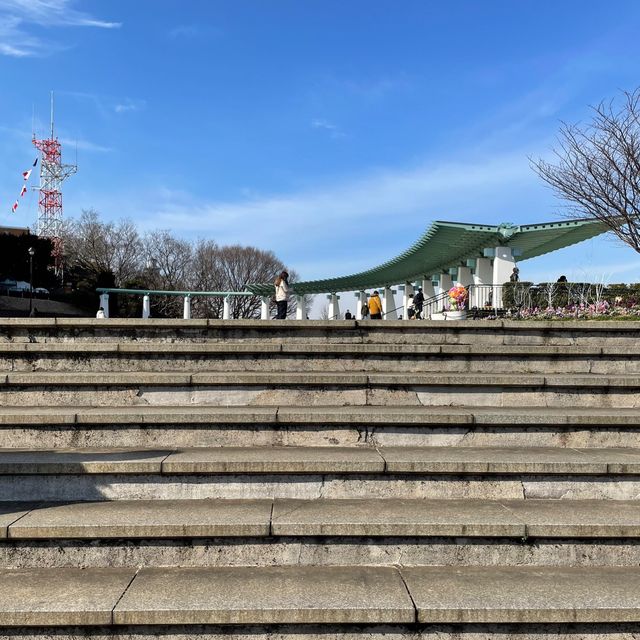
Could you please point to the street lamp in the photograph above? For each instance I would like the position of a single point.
(31, 253)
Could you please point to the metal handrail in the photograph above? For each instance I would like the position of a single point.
(392, 310)
(154, 292)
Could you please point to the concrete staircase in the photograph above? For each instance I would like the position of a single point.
(299, 480)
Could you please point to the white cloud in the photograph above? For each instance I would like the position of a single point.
(129, 105)
(17, 15)
(84, 145)
(387, 201)
(333, 129)
(185, 31)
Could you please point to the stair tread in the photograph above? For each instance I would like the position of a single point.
(139, 519)
(524, 594)
(319, 460)
(322, 595)
(367, 414)
(321, 517)
(59, 597)
(278, 379)
(229, 347)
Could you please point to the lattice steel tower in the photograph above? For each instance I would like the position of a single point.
(52, 174)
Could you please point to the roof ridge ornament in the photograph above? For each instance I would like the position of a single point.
(508, 229)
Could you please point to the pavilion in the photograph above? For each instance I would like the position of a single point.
(447, 253)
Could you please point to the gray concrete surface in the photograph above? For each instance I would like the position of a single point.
(394, 518)
(150, 519)
(275, 460)
(266, 595)
(524, 594)
(55, 597)
(72, 461)
(494, 460)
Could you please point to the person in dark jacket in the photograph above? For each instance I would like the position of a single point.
(418, 302)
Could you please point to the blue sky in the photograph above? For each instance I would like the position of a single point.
(332, 132)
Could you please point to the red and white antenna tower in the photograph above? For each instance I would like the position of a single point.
(52, 174)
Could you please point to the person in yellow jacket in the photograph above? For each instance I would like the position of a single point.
(375, 306)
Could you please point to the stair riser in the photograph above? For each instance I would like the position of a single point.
(325, 395)
(562, 631)
(150, 436)
(232, 486)
(207, 552)
(422, 363)
(409, 333)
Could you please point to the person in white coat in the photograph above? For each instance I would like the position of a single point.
(282, 295)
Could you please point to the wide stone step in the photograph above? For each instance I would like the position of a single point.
(365, 532)
(322, 415)
(317, 331)
(256, 356)
(320, 472)
(337, 378)
(322, 595)
(323, 460)
(317, 388)
(389, 518)
(146, 426)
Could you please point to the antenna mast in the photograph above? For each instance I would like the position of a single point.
(52, 174)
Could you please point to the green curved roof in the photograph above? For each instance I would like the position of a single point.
(446, 245)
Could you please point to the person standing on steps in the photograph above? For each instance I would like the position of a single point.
(375, 306)
(282, 295)
(418, 302)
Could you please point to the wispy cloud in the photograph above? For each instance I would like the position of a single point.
(192, 31)
(325, 125)
(84, 145)
(108, 105)
(16, 16)
(385, 200)
(129, 105)
(185, 31)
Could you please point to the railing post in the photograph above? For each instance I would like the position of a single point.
(388, 304)
(362, 300)
(334, 306)
(300, 311)
(187, 308)
(226, 308)
(146, 307)
(407, 291)
(264, 308)
(444, 282)
(503, 264)
(104, 303)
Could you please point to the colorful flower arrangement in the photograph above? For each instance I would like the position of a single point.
(457, 298)
(594, 311)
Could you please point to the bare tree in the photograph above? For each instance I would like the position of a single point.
(167, 259)
(231, 268)
(164, 262)
(167, 267)
(598, 168)
(99, 247)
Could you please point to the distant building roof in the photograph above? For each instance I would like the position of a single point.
(446, 245)
(15, 231)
